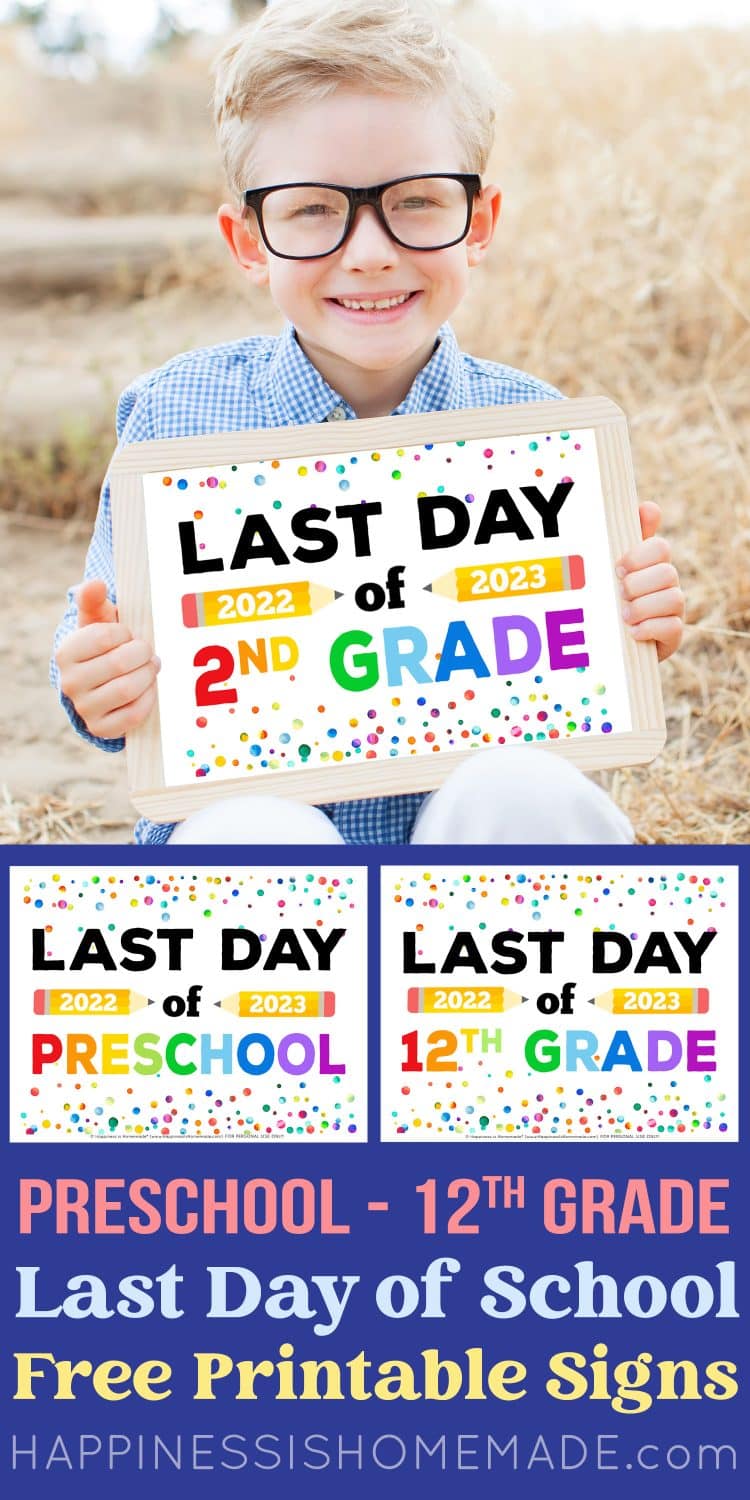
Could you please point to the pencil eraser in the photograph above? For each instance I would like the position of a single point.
(189, 610)
(577, 572)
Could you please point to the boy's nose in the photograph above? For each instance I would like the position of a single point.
(368, 244)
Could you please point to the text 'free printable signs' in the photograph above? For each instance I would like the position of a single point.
(559, 1003)
(185, 1003)
(341, 621)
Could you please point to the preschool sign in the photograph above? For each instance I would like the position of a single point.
(176, 1005)
(337, 620)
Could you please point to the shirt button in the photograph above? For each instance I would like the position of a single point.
(337, 415)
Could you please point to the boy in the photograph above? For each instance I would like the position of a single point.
(311, 103)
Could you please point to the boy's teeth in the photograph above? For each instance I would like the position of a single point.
(363, 306)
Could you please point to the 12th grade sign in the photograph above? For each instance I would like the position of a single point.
(338, 621)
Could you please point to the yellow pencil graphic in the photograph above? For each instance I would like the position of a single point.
(273, 601)
(282, 1003)
(88, 1002)
(638, 1002)
(543, 575)
(489, 998)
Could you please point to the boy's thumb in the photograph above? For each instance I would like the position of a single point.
(650, 515)
(94, 608)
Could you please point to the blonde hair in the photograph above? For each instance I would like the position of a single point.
(301, 50)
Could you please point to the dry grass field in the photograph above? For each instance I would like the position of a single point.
(621, 267)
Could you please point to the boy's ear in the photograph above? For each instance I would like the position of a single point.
(245, 244)
(483, 223)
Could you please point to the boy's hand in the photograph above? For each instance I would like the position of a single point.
(654, 606)
(109, 677)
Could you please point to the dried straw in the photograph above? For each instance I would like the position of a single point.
(51, 820)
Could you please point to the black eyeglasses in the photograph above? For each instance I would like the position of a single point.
(307, 220)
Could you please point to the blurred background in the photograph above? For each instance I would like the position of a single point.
(620, 267)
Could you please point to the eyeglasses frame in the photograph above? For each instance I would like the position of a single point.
(360, 197)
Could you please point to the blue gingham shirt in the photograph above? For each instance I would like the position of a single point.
(270, 382)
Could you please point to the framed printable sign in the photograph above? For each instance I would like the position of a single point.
(350, 610)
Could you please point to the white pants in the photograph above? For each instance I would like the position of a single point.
(510, 796)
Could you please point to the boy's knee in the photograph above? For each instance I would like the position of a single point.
(518, 771)
(520, 795)
(256, 820)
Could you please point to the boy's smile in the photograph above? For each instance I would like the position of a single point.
(374, 307)
(368, 314)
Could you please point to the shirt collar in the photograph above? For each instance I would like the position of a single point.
(302, 395)
(439, 384)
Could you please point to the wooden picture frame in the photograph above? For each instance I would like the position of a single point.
(611, 505)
